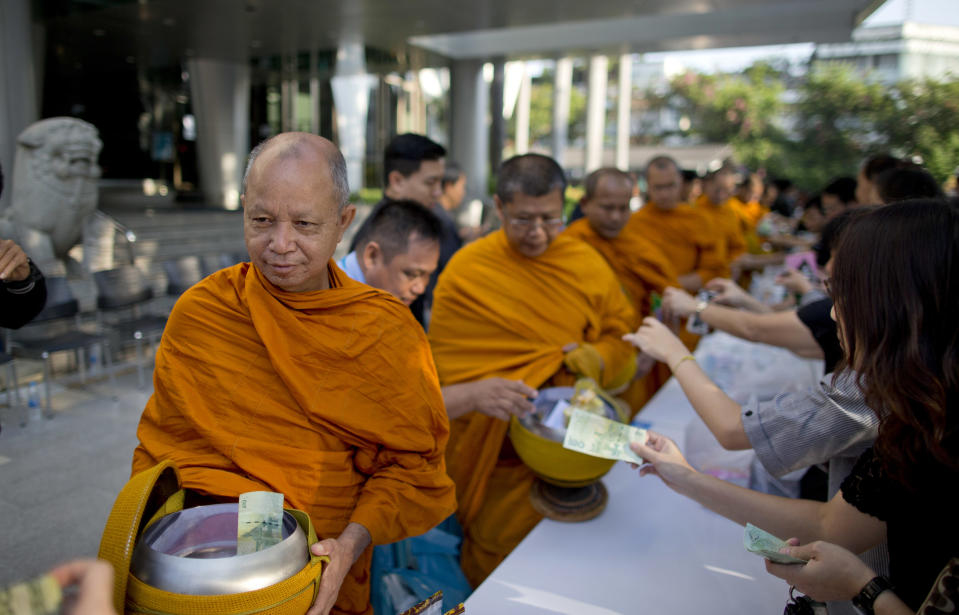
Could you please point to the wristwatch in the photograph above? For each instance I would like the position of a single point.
(868, 594)
(701, 306)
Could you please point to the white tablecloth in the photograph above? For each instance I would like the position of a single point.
(652, 550)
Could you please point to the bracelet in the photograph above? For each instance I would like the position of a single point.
(682, 360)
(867, 596)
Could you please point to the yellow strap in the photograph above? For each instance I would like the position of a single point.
(123, 524)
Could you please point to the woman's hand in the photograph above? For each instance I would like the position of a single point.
(664, 460)
(655, 339)
(728, 293)
(794, 281)
(830, 573)
(677, 303)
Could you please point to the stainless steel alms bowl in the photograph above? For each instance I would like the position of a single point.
(193, 552)
(544, 402)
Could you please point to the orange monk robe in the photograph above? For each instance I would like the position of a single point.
(328, 397)
(640, 265)
(499, 313)
(642, 269)
(725, 223)
(683, 235)
(750, 214)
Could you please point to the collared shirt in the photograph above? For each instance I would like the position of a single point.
(829, 423)
(351, 267)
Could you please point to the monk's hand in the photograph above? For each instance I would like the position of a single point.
(14, 265)
(584, 360)
(501, 398)
(656, 340)
(662, 458)
(677, 303)
(830, 572)
(343, 553)
(93, 581)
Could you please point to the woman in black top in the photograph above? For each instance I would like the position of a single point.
(895, 282)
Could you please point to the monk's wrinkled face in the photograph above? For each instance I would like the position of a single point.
(407, 274)
(608, 209)
(664, 184)
(531, 223)
(292, 219)
(425, 186)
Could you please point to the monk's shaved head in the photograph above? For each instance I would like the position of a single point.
(529, 174)
(299, 145)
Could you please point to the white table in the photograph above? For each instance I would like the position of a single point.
(652, 550)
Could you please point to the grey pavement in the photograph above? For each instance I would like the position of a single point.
(60, 476)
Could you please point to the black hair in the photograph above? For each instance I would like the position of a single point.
(874, 165)
(406, 153)
(529, 174)
(832, 232)
(393, 223)
(451, 173)
(844, 188)
(907, 181)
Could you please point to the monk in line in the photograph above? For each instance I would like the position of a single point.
(397, 251)
(639, 264)
(523, 303)
(679, 230)
(722, 220)
(285, 375)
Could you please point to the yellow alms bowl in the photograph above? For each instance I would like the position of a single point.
(553, 463)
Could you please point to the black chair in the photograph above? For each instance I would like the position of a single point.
(121, 295)
(58, 329)
(182, 273)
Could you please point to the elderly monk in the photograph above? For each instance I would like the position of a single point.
(523, 303)
(639, 264)
(722, 219)
(285, 375)
(679, 230)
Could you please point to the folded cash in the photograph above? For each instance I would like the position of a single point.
(40, 596)
(763, 543)
(600, 437)
(259, 522)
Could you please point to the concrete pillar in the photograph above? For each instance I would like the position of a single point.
(624, 107)
(522, 111)
(314, 93)
(351, 97)
(497, 129)
(19, 76)
(221, 103)
(469, 143)
(562, 87)
(596, 112)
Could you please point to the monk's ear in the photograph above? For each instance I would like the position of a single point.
(345, 218)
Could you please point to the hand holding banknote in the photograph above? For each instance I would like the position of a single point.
(831, 572)
(598, 436)
(663, 459)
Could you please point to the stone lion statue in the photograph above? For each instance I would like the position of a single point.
(54, 189)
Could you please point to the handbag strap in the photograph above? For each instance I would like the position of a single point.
(135, 505)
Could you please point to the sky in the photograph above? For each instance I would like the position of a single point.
(941, 12)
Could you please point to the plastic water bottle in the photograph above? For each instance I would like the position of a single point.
(33, 402)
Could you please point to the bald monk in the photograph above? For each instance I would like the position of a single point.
(679, 230)
(722, 219)
(285, 375)
(523, 303)
(639, 264)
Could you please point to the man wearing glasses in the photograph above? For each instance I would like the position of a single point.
(523, 303)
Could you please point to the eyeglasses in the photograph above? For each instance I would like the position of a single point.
(527, 224)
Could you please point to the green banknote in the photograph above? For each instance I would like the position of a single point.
(763, 543)
(600, 437)
(41, 596)
(259, 522)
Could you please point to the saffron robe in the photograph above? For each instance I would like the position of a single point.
(683, 234)
(499, 313)
(640, 265)
(725, 223)
(750, 214)
(642, 269)
(329, 397)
